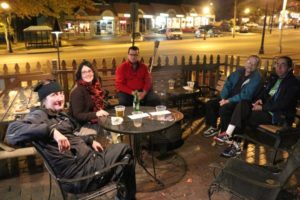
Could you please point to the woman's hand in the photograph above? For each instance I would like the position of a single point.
(62, 141)
(101, 113)
(97, 146)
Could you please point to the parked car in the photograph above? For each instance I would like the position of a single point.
(162, 31)
(214, 32)
(244, 29)
(200, 32)
(251, 24)
(138, 37)
(174, 33)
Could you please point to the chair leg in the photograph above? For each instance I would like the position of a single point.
(274, 156)
(212, 188)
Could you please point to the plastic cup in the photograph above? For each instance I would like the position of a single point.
(139, 121)
(171, 84)
(191, 84)
(160, 108)
(120, 110)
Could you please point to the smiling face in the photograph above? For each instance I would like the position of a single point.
(54, 101)
(251, 64)
(87, 74)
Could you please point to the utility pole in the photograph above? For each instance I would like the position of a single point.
(281, 23)
(261, 50)
(272, 17)
(234, 18)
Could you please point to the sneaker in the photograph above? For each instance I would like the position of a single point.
(211, 131)
(222, 138)
(232, 151)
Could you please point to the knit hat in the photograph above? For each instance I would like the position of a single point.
(44, 90)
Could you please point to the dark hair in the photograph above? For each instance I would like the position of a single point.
(288, 60)
(89, 65)
(133, 48)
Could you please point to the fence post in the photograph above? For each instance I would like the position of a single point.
(225, 65)
(17, 68)
(54, 68)
(204, 69)
(114, 66)
(27, 67)
(64, 75)
(175, 61)
(231, 65)
(167, 61)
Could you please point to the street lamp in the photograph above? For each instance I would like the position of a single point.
(261, 50)
(247, 11)
(5, 6)
(57, 30)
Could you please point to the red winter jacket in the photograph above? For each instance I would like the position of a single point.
(128, 80)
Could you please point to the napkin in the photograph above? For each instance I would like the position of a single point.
(116, 120)
(137, 116)
(163, 112)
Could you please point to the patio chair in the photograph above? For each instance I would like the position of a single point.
(110, 187)
(277, 137)
(249, 181)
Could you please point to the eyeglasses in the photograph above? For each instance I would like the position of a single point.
(135, 55)
(87, 72)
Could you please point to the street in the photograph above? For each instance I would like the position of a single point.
(242, 45)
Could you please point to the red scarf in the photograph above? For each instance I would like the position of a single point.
(96, 93)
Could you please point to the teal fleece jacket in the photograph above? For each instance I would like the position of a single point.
(249, 88)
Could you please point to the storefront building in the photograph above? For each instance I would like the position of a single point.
(116, 19)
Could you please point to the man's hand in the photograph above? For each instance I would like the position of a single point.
(258, 102)
(223, 102)
(97, 146)
(62, 142)
(101, 113)
(142, 95)
(257, 105)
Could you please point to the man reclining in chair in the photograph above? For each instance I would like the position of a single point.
(276, 105)
(71, 156)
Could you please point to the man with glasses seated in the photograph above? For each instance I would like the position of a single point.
(132, 76)
(275, 105)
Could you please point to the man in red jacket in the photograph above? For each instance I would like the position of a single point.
(134, 76)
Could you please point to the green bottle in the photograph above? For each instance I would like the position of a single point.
(136, 101)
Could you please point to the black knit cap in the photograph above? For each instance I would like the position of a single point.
(44, 90)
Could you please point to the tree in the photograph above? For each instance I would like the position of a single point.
(50, 8)
(53, 8)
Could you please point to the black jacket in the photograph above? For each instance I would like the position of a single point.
(284, 101)
(76, 162)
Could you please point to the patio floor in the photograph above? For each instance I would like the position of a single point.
(185, 173)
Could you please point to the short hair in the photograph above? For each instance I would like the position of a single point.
(258, 60)
(288, 60)
(133, 48)
(78, 75)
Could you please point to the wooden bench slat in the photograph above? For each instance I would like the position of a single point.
(27, 151)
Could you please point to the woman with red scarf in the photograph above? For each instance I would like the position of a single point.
(86, 99)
